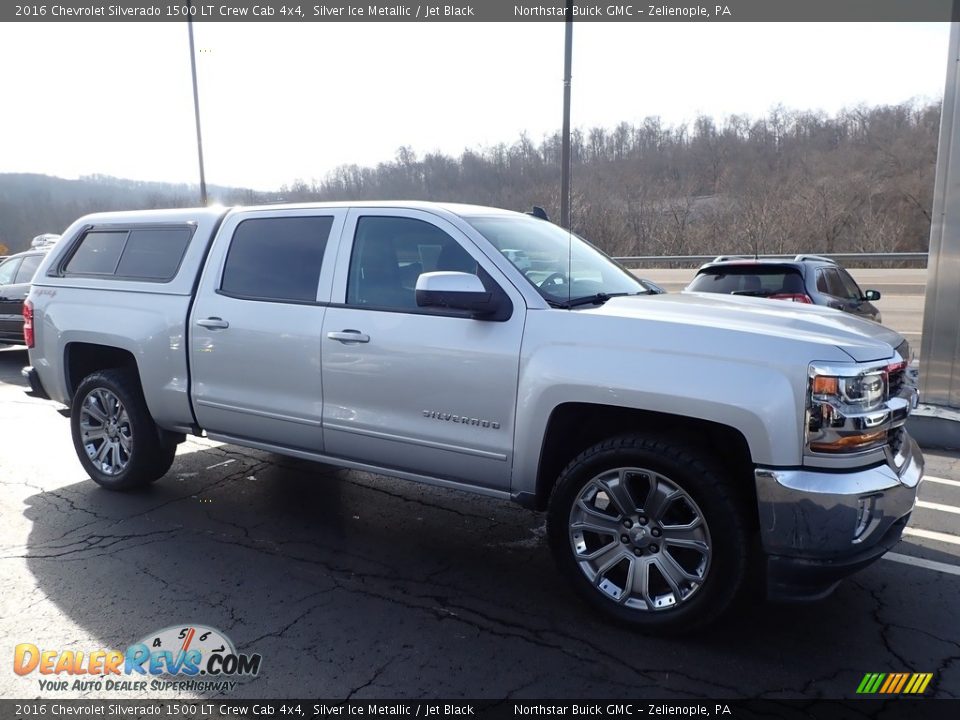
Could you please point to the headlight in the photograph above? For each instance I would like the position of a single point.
(866, 390)
(845, 409)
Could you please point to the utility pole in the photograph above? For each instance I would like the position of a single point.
(196, 104)
(565, 151)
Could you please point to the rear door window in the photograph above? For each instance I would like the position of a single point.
(276, 259)
(822, 285)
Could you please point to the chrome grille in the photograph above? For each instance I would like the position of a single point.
(896, 380)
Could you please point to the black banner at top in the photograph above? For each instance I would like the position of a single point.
(481, 11)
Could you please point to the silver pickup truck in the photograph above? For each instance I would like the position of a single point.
(677, 442)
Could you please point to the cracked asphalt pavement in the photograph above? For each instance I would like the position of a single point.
(352, 585)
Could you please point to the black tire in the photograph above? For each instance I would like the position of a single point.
(712, 561)
(141, 453)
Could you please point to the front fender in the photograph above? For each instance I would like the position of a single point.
(759, 394)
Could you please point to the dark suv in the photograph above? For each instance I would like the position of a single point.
(16, 272)
(808, 279)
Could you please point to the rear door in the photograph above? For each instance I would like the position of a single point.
(255, 327)
(420, 390)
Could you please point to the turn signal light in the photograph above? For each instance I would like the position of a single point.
(850, 442)
(825, 385)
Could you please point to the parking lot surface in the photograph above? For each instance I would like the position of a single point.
(352, 585)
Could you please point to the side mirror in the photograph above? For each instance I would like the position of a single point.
(871, 295)
(455, 291)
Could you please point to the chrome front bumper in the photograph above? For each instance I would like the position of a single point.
(818, 526)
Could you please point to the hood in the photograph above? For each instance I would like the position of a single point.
(862, 340)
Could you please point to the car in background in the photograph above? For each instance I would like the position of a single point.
(16, 272)
(811, 279)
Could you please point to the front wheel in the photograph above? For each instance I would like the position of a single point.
(116, 440)
(648, 532)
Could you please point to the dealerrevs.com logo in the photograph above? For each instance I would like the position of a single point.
(181, 657)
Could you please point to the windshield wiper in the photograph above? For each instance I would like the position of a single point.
(598, 299)
(753, 293)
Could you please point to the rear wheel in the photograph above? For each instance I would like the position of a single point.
(648, 532)
(116, 440)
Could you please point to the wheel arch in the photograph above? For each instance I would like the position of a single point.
(575, 426)
(81, 359)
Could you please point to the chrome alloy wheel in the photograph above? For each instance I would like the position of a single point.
(640, 539)
(105, 431)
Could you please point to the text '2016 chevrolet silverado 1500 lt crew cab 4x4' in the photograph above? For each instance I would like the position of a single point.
(678, 441)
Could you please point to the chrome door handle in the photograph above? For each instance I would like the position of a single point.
(349, 336)
(214, 323)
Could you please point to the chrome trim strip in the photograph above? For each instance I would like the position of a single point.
(260, 413)
(353, 465)
(416, 441)
(852, 369)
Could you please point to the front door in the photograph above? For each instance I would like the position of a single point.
(844, 292)
(419, 390)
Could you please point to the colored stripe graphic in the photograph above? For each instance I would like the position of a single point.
(870, 683)
(903, 681)
(894, 683)
(892, 680)
(919, 683)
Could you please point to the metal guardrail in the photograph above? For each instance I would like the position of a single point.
(694, 260)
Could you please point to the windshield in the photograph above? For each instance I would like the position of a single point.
(560, 265)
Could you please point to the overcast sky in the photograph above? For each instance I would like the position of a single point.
(281, 102)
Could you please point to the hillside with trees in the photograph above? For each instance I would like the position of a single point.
(857, 181)
(34, 204)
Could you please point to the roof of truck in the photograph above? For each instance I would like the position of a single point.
(181, 214)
